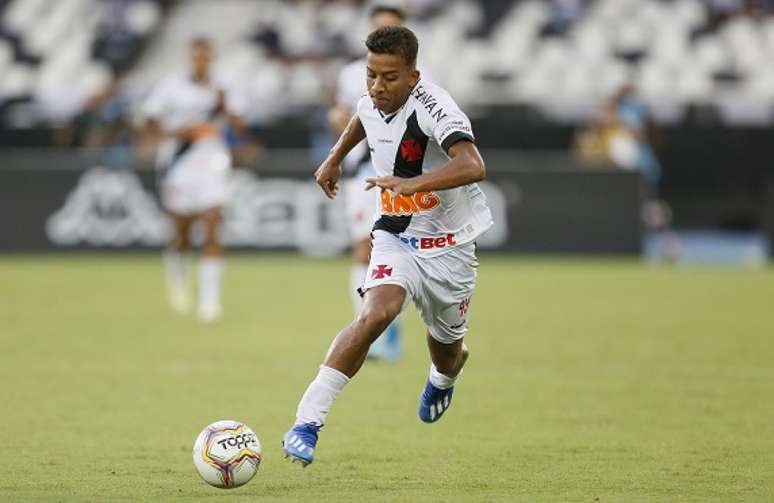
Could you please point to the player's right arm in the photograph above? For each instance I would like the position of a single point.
(329, 172)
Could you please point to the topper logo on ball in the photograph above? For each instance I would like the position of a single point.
(238, 441)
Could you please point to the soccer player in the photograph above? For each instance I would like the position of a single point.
(360, 204)
(431, 212)
(183, 110)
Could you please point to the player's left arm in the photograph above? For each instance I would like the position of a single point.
(465, 166)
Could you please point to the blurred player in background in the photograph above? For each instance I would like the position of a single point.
(186, 112)
(431, 212)
(361, 204)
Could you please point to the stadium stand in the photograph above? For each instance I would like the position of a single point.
(560, 58)
(55, 55)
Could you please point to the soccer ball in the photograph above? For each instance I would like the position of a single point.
(227, 454)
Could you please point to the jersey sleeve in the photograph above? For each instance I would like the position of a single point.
(445, 122)
(453, 127)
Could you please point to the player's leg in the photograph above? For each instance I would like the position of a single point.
(361, 253)
(388, 345)
(175, 262)
(446, 367)
(360, 206)
(450, 280)
(345, 356)
(391, 282)
(448, 359)
(211, 265)
(381, 306)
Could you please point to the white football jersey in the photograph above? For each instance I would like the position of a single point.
(351, 86)
(179, 101)
(412, 141)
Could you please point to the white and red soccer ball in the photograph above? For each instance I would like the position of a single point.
(227, 454)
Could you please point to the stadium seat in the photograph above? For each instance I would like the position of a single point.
(143, 17)
(673, 51)
(17, 81)
(20, 15)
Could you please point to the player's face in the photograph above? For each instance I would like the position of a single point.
(390, 81)
(201, 58)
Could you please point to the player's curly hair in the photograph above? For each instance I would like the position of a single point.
(396, 40)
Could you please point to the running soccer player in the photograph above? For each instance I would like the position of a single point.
(195, 164)
(431, 212)
(361, 204)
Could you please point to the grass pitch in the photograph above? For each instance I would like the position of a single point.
(588, 381)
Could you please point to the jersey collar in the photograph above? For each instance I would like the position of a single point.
(387, 117)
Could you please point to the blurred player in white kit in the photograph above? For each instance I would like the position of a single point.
(186, 112)
(361, 205)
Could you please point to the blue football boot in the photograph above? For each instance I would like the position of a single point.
(299, 443)
(434, 402)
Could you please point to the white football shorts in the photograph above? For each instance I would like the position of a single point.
(198, 180)
(440, 286)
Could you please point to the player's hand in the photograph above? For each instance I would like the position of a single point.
(395, 184)
(327, 177)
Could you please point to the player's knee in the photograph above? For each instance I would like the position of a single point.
(374, 319)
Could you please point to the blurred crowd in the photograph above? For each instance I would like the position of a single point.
(81, 67)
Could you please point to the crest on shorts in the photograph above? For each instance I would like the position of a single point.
(381, 271)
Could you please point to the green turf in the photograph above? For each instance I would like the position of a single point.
(588, 381)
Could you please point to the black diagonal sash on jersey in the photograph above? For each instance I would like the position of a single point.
(408, 164)
(185, 145)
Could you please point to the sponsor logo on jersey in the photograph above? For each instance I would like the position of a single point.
(428, 243)
(403, 206)
(429, 102)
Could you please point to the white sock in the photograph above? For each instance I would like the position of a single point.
(319, 396)
(356, 279)
(442, 381)
(210, 275)
(177, 271)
